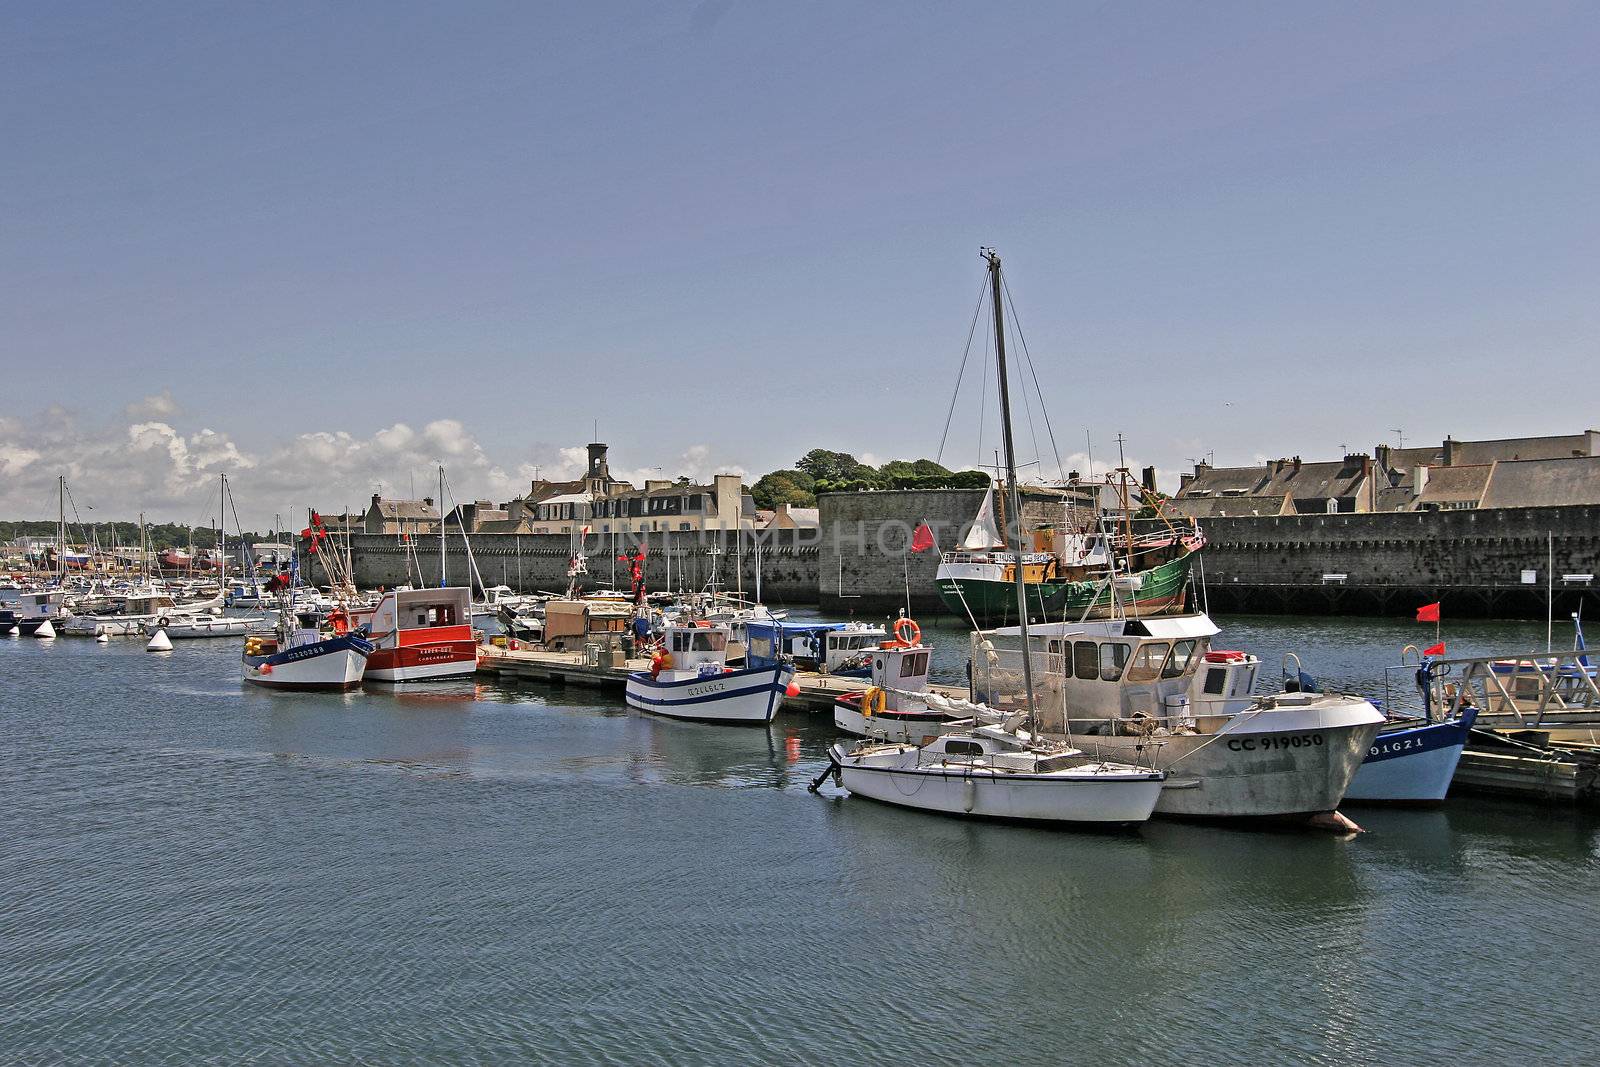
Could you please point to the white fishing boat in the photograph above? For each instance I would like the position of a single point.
(895, 708)
(690, 679)
(1001, 770)
(304, 652)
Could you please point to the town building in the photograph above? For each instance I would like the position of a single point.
(410, 517)
(599, 503)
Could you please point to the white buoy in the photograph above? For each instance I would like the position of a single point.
(15, 631)
(159, 643)
(101, 639)
(45, 631)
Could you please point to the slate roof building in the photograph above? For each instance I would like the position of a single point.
(401, 516)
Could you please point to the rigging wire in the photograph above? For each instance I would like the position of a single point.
(1006, 287)
(961, 374)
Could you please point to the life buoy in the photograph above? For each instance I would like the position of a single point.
(163, 622)
(907, 632)
(873, 701)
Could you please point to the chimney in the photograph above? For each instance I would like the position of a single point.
(1148, 478)
(1449, 451)
(1183, 481)
(428, 500)
(1419, 480)
(1073, 476)
(375, 498)
(1201, 468)
(1297, 464)
(1382, 452)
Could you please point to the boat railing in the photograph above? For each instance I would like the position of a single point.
(1527, 691)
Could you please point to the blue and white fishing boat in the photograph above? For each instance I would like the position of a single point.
(1413, 759)
(690, 679)
(306, 653)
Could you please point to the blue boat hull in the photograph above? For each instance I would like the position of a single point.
(1413, 765)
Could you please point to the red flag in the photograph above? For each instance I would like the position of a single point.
(922, 540)
(1428, 613)
(1434, 650)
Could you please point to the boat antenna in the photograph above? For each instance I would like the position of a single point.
(995, 289)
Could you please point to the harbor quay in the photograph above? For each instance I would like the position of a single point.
(1500, 562)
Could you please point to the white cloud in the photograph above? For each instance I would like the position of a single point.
(159, 406)
(169, 472)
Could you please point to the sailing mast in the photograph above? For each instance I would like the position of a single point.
(442, 582)
(61, 528)
(1011, 481)
(222, 538)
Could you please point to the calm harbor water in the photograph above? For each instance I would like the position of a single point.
(191, 870)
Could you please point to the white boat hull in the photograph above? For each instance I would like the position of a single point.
(334, 668)
(205, 626)
(893, 777)
(1269, 764)
(741, 697)
(908, 729)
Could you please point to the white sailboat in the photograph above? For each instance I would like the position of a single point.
(1003, 770)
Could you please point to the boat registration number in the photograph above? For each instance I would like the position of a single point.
(1399, 744)
(1274, 742)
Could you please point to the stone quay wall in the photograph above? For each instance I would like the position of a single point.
(1471, 561)
(538, 562)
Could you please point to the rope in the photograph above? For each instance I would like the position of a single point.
(1043, 410)
(960, 374)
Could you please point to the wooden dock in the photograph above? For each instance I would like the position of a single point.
(817, 691)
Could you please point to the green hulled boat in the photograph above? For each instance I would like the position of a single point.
(1097, 577)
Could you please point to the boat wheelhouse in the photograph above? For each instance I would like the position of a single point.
(895, 708)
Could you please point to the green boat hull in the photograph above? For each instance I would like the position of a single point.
(994, 603)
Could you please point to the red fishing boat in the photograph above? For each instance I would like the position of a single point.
(422, 635)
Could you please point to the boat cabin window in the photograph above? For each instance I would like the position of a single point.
(680, 641)
(1216, 681)
(1085, 660)
(914, 666)
(1113, 658)
(760, 647)
(962, 748)
(1147, 661)
(1180, 661)
(709, 641)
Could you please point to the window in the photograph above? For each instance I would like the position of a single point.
(1113, 658)
(1147, 661)
(760, 648)
(1085, 660)
(1216, 681)
(680, 642)
(914, 666)
(1178, 665)
(962, 748)
(710, 641)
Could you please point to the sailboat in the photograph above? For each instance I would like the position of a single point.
(1003, 769)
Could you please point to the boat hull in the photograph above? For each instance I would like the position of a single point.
(1413, 765)
(980, 591)
(916, 728)
(747, 697)
(893, 777)
(432, 662)
(336, 663)
(1269, 764)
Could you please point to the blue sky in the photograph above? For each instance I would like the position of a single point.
(735, 231)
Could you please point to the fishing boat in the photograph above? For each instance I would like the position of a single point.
(306, 651)
(689, 678)
(420, 635)
(1153, 689)
(1079, 571)
(895, 707)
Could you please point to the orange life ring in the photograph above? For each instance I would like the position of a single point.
(907, 632)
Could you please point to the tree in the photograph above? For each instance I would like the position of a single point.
(826, 466)
(792, 487)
